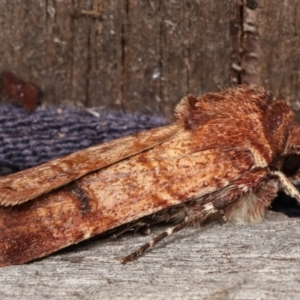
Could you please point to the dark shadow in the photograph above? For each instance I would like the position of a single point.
(287, 205)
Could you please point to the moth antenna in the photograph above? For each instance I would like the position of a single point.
(197, 216)
(188, 221)
(286, 185)
(136, 254)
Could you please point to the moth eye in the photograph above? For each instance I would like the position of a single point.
(291, 164)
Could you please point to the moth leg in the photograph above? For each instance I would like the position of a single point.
(135, 226)
(286, 185)
(251, 207)
(247, 198)
(205, 210)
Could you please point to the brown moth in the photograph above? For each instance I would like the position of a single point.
(228, 153)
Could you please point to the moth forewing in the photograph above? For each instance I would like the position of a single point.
(29, 184)
(128, 190)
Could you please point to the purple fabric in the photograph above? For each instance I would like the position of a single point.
(29, 139)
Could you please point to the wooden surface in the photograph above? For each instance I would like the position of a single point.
(146, 55)
(258, 261)
(127, 54)
(272, 40)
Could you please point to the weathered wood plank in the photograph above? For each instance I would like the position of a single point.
(35, 40)
(175, 48)
(118, 54)
(271, 48)
(71, 49)
(210, 46)
(143, 56)
(99, 52)
(259, 261)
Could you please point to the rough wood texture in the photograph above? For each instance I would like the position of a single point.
(171, 50)
(145, 55)
(118, 53)
(258, 261)
(271, 42)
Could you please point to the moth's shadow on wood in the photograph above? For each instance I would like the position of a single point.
(157, 229)
(287, 205)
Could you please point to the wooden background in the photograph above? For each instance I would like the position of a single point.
(144, 55)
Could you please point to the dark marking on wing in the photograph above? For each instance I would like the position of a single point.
(78, 193)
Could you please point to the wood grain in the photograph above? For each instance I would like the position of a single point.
(280, 43)
(145, 55)
(118, 54)
(215, 262)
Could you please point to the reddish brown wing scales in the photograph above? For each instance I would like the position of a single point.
(23, 186)
(121, 193)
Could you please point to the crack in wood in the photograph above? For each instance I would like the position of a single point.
(122, 99)
(250, 45)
